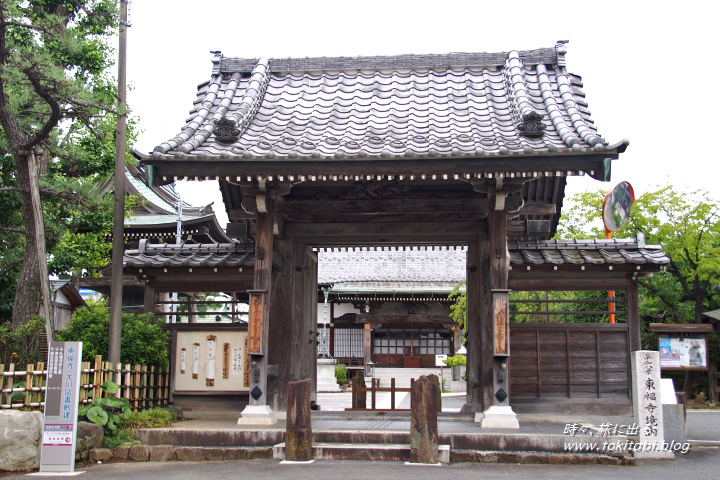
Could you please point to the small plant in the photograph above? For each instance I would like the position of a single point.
(456, 361)
(341, 373)
(107, 411)
(122, 437)
(155, 417)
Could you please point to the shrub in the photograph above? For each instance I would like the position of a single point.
(21, 345)
(142, 342)
(341, 373)
(154, 417)
(456, 361)
(107, 411)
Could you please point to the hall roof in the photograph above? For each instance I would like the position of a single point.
(446, 265)
(481, 106)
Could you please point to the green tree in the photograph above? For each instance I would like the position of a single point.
(686, 225)
(142, 341)
(56, 103)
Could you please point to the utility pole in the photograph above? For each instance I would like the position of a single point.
(118, 244)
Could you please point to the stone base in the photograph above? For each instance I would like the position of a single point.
(659, 455)
(326, 381)
(497, 417)
(257, 415)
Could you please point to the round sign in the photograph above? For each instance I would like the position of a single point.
(617, 205)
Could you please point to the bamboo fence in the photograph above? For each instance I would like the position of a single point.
(144, 386)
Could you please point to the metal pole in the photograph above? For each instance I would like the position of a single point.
(324, 350)
(118, 244)
(178, 241)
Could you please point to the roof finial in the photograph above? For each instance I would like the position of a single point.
(561, 50)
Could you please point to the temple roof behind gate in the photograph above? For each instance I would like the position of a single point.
(474, 105)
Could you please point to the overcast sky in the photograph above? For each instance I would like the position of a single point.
(650, 69)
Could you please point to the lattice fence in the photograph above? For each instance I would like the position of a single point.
(144, 386)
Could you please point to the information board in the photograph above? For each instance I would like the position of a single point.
(682, 352)
(57, 453)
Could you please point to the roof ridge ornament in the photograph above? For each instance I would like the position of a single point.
(560, 51)
(531, 125)
(225, 131)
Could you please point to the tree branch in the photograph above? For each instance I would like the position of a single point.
(56, 114)
(669, 304)
(4, 24)
(11, 229)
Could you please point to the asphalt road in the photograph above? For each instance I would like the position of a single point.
(702, 462)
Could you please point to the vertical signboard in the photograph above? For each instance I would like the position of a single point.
(501, 323)
(256, 325)
(61, 402)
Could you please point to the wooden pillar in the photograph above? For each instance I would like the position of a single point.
(304, 314)
(367, 343)
(633, 316)
(258, 410)
(192, 308)
(149, 297)
(479, 330)
(281, 332)
(497, 307)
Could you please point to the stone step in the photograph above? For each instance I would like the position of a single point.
(397, 452)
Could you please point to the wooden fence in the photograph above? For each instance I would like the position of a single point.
(143, 386)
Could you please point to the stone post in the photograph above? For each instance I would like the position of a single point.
(359, 398)
(424, 441)
(436, 381)
(647, 406)
(298, 429)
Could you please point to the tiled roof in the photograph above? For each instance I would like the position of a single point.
(586, 252)
(435, 264)
(419, 264)
(519, 103)
(164, 220)
(189, 255)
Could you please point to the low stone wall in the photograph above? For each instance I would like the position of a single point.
(20, 435)
(166, 453)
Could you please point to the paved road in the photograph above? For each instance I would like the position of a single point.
(700, 464)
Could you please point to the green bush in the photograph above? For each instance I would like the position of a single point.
(142, 342)
(155, 417)
(21, 345)
(341, 373)
(107, 411)
(456, 361)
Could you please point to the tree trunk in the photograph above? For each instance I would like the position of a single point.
(27, 295)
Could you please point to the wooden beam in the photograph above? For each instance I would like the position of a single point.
(403, 319)
(385, 206)
(568, 284)
(402, 166)
(451, 232)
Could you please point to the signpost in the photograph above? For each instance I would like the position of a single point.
(61, 401)
(616, 213)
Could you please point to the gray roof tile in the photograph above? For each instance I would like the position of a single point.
(448, 264)
(189, 255)
(389, 107)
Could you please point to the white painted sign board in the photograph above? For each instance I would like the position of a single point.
(57, 453)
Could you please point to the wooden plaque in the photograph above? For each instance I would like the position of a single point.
(256, 325)
(501, 323)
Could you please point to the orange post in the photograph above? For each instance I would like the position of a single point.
(611, 293)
